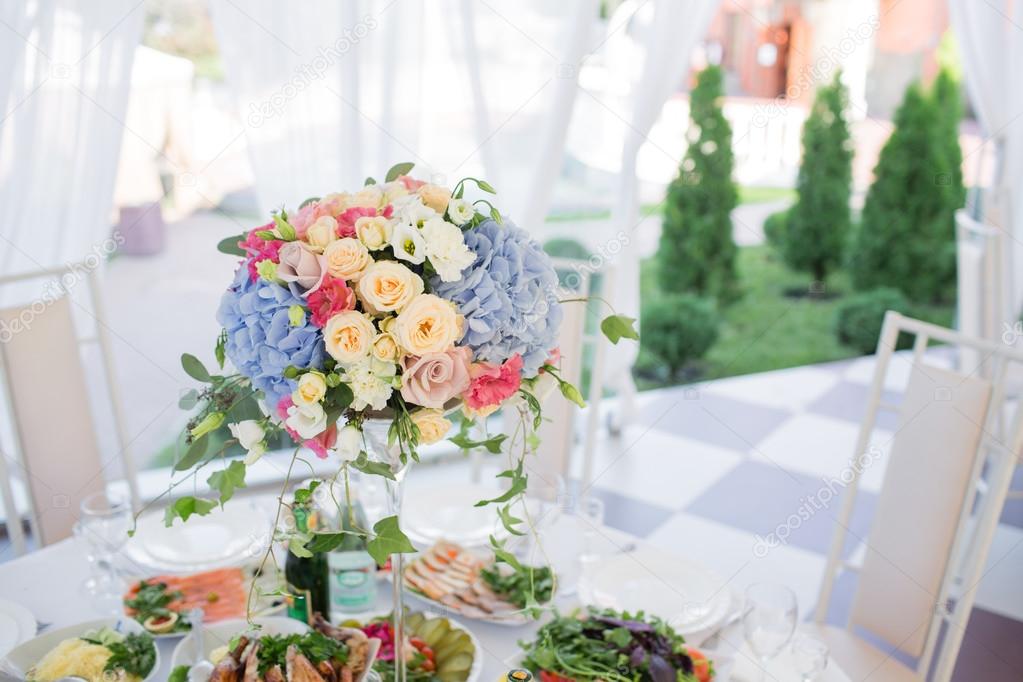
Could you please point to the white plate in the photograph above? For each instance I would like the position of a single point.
(220, 634)
(231, 536)
(434, 513)
(686, 595)
(17, 625)
(23, 657)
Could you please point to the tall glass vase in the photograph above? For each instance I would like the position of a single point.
(375, 432)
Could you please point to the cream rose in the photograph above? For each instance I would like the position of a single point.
(385, 348)
(370, 196)
(435, 196)
(321, 233)
(374, 231)
(388, 286)
(428, 324)
(348, 336)
(311, 388)
(432, 425)
(347, 258)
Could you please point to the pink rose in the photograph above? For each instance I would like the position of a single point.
(435, 378)
(346, 221)
(411, 184)
(309, 214)
(332, 297)
(301, 265)
(493, 384)
(260, 249)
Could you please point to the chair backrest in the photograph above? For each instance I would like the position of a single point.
(49, 406)
(945, 436)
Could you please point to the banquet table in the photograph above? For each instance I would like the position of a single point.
(48, 582)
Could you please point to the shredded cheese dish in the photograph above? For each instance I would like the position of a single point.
(76, 657)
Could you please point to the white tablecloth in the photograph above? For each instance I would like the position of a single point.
(48, 582)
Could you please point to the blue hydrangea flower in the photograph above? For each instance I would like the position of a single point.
(508, 296)
(261, 342)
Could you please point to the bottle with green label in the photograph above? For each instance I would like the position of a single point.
(351, 571)
(306, 576)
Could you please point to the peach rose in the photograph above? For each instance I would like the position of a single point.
(321, 233)
(374, 231)
(370, 196)
(348, 336)
(388, 286)
(428, 324)
(432, 425)
(385, 348)
(435, 196)
(347, 258)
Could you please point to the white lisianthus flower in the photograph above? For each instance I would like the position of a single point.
(249, 433)
(446, 249)
(415, 212)
(308, 421)
(349, 443)
(408, 244)
(460, 211)
(255, 452)
(368, 388)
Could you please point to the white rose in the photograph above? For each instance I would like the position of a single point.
(311, 389)
(374, 231)
(446, 249)
(248, 432)
(460, 211)
(321, 233)
(349, 443)
(308, 421)
(348, 336)
(347, 258)
(408, 244)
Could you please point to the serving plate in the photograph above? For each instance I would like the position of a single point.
(17, 625)
(21, 658)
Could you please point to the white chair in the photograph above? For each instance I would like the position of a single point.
(923, 521)
(45, 391)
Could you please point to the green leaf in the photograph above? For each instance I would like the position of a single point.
(508, 521)
(501, 554)
(620, 637)
(369, 181)
(187, 506)
(228, 480)
(340, 396)
(266, 235)
(189, 399)
(308, 201)
(572, 393)
(492, 444)
(297, 546)
(387, 540)
(303, 495)
(194, 453)
(179, 674)
(616, 327)
(363, 464)
(229, 245)
(518, 486)
(194, 368)
(325, 542)
(534, 406)
(220, 350)
(399, 169)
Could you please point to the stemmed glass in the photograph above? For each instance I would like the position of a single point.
(768, 620)
(104, 525)
(810, 656)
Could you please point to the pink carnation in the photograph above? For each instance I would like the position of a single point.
(260, 249)
(332, 297)
(493, 384)
(346, 221)
(411, 184)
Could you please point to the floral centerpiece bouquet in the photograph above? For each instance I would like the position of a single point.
(401, 302)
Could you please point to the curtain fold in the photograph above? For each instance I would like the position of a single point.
(991, 46)
(65, 69)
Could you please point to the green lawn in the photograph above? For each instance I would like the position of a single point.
(747, 195)
(767, 329)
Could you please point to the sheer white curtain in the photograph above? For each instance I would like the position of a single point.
(332, 92)
(991, 45)
(65, 68)
(673, 29)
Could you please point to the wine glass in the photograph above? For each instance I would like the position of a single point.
(768, 620)
(810, 656)
(104, 525)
